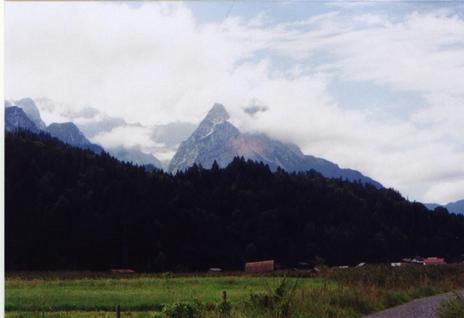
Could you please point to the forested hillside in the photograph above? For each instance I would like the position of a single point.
(68, 208)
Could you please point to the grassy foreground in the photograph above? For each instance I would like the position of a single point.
(454, 308)
(334, 293)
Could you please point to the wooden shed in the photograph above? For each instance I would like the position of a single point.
(259, 267)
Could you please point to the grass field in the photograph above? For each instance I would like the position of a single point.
(333, 293)
(453, 308)
(138, 293)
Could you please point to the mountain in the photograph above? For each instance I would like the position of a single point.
(16, 118)
(70, 134)
(216, 139)
(213, 140)
(31, 110)
(24, 114)
(135, 156)
(454, 207)
(97, 125)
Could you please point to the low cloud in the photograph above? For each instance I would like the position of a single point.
(128, 137)
(255, 108)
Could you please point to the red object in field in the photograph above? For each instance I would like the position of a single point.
(434, 261)
(122, 270)
(259, 267)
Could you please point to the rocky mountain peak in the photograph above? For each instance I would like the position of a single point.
(217, 113)
(70, 134)
(16, 118)
(216, 139)
(30, 108)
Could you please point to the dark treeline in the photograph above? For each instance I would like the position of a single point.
(68, 208)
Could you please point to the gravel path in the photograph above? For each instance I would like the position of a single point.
(419, 308)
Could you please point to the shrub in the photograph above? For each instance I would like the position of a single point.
(277, 302)
(182, 310)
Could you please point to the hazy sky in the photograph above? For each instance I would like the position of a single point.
(374, 86)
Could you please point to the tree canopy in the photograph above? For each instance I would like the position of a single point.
(68, 208)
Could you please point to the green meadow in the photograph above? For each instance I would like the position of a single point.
(332, 293)
(138, 293)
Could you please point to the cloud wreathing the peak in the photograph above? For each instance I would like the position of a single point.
(128, 137)
(255, 107)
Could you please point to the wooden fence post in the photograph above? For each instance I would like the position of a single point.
(118, 311)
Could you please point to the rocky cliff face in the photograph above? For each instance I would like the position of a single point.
(70, 134)
(16, 118)
(209, 142)
(31, 110)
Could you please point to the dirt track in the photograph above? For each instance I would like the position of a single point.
(419, 308)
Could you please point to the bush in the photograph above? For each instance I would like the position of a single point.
(182, 310)
(277, 302)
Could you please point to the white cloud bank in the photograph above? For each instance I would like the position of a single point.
(156, 64)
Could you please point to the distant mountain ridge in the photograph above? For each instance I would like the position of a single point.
(97, 125)
(135, 156)
(456, 207)
(31, 110)
(70, 134)
(216, 139)
(24, 114)
(16, 118)
(453, 207)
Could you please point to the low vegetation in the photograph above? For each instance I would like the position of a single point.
(453, 308)
(134, 293)
(332, 293)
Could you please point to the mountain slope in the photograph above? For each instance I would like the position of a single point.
(70, 134)
(26, 116)
(16, 118)
(135, 156)
(453, 207)
(31, 110)
(456, 207)
(216, 139)
(210, 142)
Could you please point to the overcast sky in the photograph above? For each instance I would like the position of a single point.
(374, 86)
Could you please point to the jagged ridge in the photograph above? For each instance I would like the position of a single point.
(216, 139)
